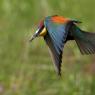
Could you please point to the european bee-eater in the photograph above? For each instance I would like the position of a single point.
(57, 30)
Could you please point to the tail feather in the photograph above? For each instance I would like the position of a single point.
(85, 41)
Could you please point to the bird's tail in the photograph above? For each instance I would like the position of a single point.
(85, 41)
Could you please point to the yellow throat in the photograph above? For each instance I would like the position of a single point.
(43, 32)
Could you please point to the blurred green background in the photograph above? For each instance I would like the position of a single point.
(26, 68)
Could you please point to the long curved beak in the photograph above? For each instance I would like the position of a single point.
(34, 36)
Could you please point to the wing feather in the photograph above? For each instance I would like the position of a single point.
(55, 40)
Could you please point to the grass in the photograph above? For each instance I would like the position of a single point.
(26, 68)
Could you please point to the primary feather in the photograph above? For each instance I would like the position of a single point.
(84, 40)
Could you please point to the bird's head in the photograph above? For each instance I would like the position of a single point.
(41, 31)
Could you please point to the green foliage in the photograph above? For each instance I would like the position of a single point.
(26, 68)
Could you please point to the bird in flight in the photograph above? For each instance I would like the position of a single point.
(57, 30)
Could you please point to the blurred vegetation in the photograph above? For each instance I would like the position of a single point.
(26, 69)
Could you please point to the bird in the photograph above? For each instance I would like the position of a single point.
(57, 31)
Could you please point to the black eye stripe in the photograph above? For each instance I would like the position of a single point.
(41, 28)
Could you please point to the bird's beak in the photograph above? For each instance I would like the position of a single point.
(34, 36)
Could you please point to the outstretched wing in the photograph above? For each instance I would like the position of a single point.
(84, 40)
(55, 40)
